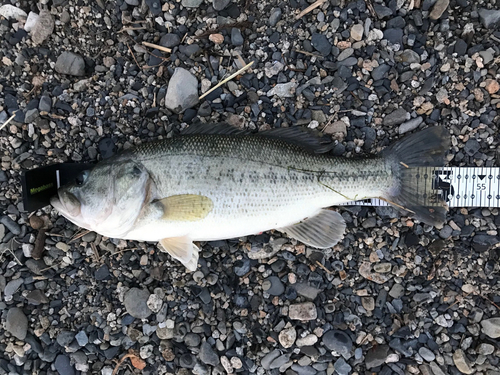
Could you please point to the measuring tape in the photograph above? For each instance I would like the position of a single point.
(457, 186)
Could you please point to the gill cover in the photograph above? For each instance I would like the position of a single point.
(107, 199)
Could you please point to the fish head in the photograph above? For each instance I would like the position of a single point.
(106, 199)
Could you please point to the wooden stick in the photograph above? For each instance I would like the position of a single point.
(227, 79)
(161, 48)
(131, 28)
(8, 120)
(132, 53)
(308, 53)
(309, 8)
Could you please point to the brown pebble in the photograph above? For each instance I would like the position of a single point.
(36, 222)
(492, 86)
(39, 245)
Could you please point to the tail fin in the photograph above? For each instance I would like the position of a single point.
(426, 148)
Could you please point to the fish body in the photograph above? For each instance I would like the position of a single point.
(215, 186)
(255, 184)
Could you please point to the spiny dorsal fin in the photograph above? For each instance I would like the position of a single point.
(308, 139)
(186, 207)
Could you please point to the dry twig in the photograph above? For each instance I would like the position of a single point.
(8, 120)
(310, 8)
(227, 79)
(161, 48)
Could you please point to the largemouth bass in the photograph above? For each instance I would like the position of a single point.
(215, 182)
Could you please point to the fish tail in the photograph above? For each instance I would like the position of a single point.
(426, 148)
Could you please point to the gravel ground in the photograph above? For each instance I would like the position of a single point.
(394, 297)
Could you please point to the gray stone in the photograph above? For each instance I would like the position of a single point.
(490, 18)
(382, 11)
(82, 338)
(182, 91)
(396, 117)
(306, 291)
(283, 90)
(321, 44)
(11, 225)
(135, 302)
(394, 36)
(338, 341)
(397, 291)
(45, 104)
(63, 365)
(342, 367)
(16, 323)
(275, 16)
(31, 115)
(410, 125)
(471, 147)
(236, 37)
(132, 2)
(12, 287)
(71, 64)
(280, 361)
(36, 297)
(491, 327)
(376, 356)
(220, 4)
(208, 355)
(426, 354)
(345, 54)
(191, 3)
(170, 40)
(269, 358)
(445, 232)
(273, 286)
(64, 338)
(408, 56)
(304, 370)
(380, 72)
(485, 349)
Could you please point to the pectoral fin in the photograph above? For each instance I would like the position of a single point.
(186, 207)
(321, 231)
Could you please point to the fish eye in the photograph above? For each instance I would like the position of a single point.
(81, 178)
(136, 170)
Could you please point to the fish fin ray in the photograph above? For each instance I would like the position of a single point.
(186, 207)
(308, 139)
(180, 248)
(323, 230)
(192, 264)
(425, 148)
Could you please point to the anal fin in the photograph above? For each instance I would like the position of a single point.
(183, 249)
(321, 231)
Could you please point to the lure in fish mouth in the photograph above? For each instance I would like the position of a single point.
(216, 182)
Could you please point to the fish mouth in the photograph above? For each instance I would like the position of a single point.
(66, 203)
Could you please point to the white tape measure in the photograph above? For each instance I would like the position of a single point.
(458, 186)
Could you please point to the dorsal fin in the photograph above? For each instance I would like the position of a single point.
(308, 139)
